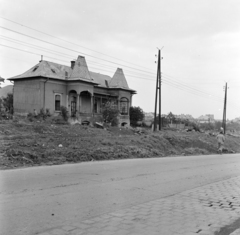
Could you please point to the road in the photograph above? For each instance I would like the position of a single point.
(36, 200)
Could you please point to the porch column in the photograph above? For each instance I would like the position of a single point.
(67, 102)
(92, 104)
(78, 97)
(80, 102)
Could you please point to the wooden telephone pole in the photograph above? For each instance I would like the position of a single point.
(158, 94)
(224, 111)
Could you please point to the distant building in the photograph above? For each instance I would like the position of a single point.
(208, 118)
(185, 117)
(148, 116)
(84, 93)
(236, 120)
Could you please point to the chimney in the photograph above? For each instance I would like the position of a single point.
(72, 64)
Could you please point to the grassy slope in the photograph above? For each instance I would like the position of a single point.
(28, 144)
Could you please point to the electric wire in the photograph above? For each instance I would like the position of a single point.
(144, 71)
(68, 41)
(95, 62)
(178, 86)
(67, 48)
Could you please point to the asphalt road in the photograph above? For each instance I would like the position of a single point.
(38, 198)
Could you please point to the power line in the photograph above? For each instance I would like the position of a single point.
(54, 52)
(93, 62)
(164, 81)
(195, 89)
(69, 42)
(102, 69)
(34, 46)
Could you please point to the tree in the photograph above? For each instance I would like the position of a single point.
(171, 117)
(136, 115)
(8, 103)
(110, 114)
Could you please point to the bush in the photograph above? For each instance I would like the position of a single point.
(58, 120)
(42, 115)
(136, 115)
(115, 122)
(110, 114)
(30, 117)
(64, 113)
(7, 103)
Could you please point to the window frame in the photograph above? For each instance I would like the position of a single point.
(57, 94)
(124, 103)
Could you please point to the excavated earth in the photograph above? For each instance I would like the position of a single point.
(26, 144)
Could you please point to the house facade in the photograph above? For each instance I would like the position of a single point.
(208, 118)
(50, 85)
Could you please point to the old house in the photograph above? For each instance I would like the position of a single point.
(50, 85)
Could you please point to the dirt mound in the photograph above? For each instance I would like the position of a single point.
(30, 144)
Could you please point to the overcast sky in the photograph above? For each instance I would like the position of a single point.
(200, 40)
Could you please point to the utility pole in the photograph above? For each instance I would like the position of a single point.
(224, 110)
(158, 96)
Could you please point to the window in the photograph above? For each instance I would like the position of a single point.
(35, 68)
(66, 74)
(57, 102)
(124, 106)
(114, 103)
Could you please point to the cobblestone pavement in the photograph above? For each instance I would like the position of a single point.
(200, 211)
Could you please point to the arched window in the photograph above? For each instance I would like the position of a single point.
(57, 102)
(124, 106)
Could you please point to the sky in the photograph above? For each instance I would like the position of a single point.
(199, 43)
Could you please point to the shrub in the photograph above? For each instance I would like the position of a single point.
(115, 122)
(8, 103)
(64, 113)
(58, 120)
(30, 117)
(110, 114)
(136, 115)
(42, 114)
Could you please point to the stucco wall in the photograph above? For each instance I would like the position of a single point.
(29, 95)
(123, 119)
(37, 93)
(26, 96)
(53, 87)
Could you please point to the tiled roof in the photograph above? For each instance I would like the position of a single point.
(118, 80)
(80, 70)
(100, 79)
(46, 69)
